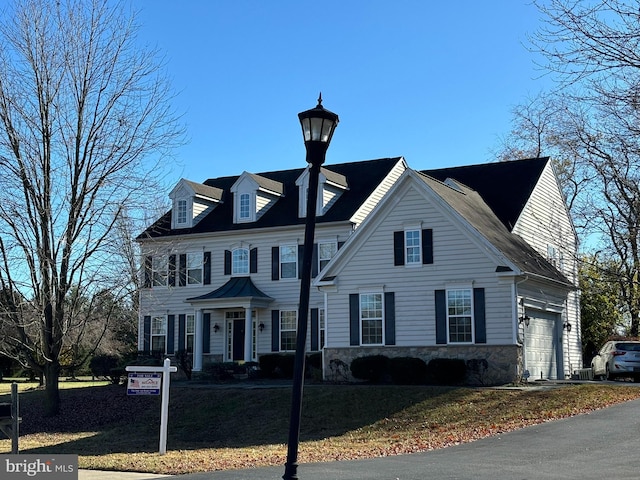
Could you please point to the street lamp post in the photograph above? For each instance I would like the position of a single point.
(318, 126)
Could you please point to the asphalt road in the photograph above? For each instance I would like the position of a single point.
(602, 444)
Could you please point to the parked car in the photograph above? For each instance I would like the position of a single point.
(619, 358)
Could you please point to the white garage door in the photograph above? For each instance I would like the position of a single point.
(543, 346)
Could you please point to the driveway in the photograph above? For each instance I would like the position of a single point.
(602, 444)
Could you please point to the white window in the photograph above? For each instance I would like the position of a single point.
(289, 261)
(190, 332)
(245, 206)
(326, 251)
(194, 268)
(288, 324)
(412, 249)
(159, 334)
(181, 212)
(160, 267)
(240, 261)
(460, 315)
(371, 318)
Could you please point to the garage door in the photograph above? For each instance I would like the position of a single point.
(542, 345)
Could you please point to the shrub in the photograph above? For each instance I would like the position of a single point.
(477, 369)
(107, 366)
(373, 368)
(277, 365)
(408, 370)
(447, 371)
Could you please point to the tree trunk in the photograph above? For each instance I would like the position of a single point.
(52, 392)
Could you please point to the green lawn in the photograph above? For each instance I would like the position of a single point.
(231, 427)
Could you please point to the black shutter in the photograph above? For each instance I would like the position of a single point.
(441, 317)
(172, 270)
(227, 262)
(148, 266)
(146, 335)
(354, 319)
(171, 335)
(206, 333)
(314, 261)
(479, 315)
(182, 270)
(300, 255)
(206, 266)
(389, 318)
(275, 263)
(182, 328)
(315, 330)
(398, 248)
(275, 330)
(427, 245)
(253, 260)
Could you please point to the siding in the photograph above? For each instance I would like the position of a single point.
(160, 300)
(456, 259)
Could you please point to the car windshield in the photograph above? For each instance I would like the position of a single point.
(628, 347)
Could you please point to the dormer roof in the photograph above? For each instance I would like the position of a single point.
(198, 190)
(358, 179)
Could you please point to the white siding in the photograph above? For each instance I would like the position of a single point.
(545, 221)
(456, 259)
(172, 300)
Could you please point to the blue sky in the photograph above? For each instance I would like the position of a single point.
(432, 81)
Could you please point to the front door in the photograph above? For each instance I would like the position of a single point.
(238, 340)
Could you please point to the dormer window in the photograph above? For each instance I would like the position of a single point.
(181, 212)
(330, 186)
(253, 196)
(192, 202)
(245, 206)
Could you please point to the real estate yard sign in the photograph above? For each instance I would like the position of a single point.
(146, 380)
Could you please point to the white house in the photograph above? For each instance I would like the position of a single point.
(473, 262)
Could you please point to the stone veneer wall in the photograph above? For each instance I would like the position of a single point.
(504, 362)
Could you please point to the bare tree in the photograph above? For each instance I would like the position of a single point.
(83, 111)
(591, 125)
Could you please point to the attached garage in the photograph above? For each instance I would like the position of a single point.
(543, 345)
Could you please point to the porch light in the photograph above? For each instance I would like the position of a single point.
(526, 320)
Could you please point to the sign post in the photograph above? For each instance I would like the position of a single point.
(146, 381)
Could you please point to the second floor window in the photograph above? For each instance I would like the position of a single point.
(326, 251)
(240, 261)
(194, 268)
(412, 247)
(160, 267)
(289, 261)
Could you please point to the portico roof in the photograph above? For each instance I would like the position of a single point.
(238, 291)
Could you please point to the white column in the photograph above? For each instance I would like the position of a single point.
(248, 334)
(197, 347)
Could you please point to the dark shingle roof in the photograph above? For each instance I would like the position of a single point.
(472, 207)
(504, 186)
(363, 178)
(237, 287)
